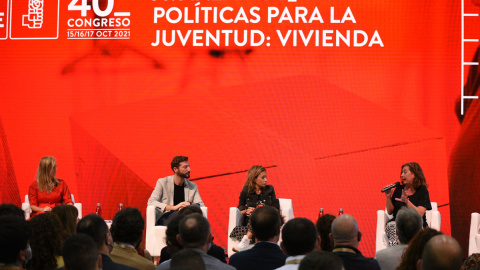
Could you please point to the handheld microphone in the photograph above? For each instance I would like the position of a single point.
(390, 186)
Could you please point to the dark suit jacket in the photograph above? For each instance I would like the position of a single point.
(355, 260)
(263, 256)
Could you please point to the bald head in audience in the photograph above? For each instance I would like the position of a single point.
(194, 232)
(345, 231)
(442, 252)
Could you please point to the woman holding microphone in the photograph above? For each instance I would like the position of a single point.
(412, 193)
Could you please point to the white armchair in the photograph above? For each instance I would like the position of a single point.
(28, 210)
(155, 235)
(235, 219)
(474, 239)
(433, 220)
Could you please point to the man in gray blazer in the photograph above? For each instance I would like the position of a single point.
(174, 192)
(408, 222)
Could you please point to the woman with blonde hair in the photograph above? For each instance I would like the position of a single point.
(255, 193)
(48, 191)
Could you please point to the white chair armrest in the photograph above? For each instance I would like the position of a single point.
(433, 217)
(434, 206)
(204, 211)
(27, 210)
(382, 219)
(235, 219)
(474, 239)
(150, 226)
(286, 208)
(79, 209)
(477, 243)
(435, 220)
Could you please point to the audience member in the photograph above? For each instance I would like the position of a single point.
(472, 262)
(67, 215)
(172, 246)
(265, 254)
(15, 249)
(80, 253)
(46, 242)
(127, 232)
(95, 227)
(171, 237)
(195, 235)
(187, 259)
(324, 228)
(413, 252)
(321, 260)
(346, 237)
(7, 209)
(442, 252)
(408, 222)
(299, 237)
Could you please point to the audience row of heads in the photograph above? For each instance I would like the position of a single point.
(36, 243)
(80, 243)
(46, 235)
(427, 248)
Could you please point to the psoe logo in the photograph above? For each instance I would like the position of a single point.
(34, 18)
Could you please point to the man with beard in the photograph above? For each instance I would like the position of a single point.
(174, 192)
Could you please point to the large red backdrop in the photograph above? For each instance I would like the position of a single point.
(333, 124)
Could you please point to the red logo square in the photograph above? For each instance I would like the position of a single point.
(34, 19)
